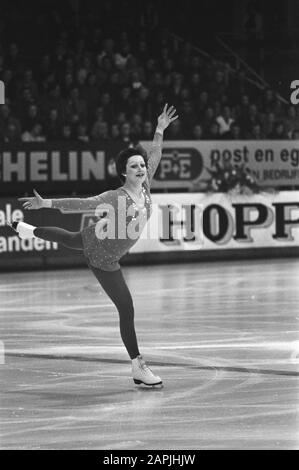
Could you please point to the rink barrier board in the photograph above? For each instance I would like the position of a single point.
(76, 167)
(259, 243)
(148, 259)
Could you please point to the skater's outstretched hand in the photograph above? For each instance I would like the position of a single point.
(36, 202)
(167, 116)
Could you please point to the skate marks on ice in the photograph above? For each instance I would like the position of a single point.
(222, 336)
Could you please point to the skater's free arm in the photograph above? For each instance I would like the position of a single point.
(75, 204)
(65, 204)
(155, 153)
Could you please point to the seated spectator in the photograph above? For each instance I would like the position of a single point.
(251, 119)
(66, 134)
(136, 80)
(81, 133)
(291, 121)
(188, 118)
(136, 125)
(267, 102)
(100, 131)
(90, 79)
(81, 76)
(23, 103)
(195, 85)
(30, 84)
(147, 131)
(185, 95)
(45, 67)
(142, 103)
(295, 134)
(35, 135)
(56, 99)
(158, 101)
(124, 102)
(115, 83)
(14, 60)
(256, 133)
(115, 132)
(235, 132)
(112, 178)
(217, 107)
(53, 125)
(75, 105)
(279, 132)
(99, 114)
(197, 132)
(217, 86)
(268, 124)
(31, 118)
(224, 121)
(242, 109)
(142, 50)
(224, 101)
(175, 89)
(208, 118)
(238, 86)
(169, 66)
(202, 104)
(175, 131)
(67, 85)
(213, 132)
(106, 104)
(9, 80)
(122, 56)
(121, 117)
(6, 118)
(156, 82)
(91, 93)
(12, 134)
(125, 133)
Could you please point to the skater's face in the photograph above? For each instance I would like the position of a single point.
(135, 170)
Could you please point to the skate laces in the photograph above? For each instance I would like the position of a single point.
(145, 367)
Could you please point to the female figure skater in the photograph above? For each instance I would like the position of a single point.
(103, 253)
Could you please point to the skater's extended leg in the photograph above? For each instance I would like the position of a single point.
(59, 235)
(52, 234)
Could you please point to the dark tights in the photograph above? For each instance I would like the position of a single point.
(112, 282)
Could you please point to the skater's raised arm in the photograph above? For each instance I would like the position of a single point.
(65, 204)
(167, 116)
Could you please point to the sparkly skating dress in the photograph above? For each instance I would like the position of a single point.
(105, 253)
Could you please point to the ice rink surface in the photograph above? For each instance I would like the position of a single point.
(223, 336)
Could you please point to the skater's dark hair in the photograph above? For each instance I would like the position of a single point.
(124, 155)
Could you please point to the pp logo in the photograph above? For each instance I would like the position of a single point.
(180, 164)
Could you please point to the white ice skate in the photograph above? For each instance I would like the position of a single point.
(142, 373)
(24, 230)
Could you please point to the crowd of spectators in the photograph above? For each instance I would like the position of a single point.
(87, 84)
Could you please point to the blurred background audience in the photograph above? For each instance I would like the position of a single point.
(76, 77)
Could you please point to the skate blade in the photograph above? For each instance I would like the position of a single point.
(157, 385)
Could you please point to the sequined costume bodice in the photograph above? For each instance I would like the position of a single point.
(105, 253)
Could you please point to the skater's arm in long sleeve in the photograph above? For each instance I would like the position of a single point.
(74, 204)
(155, 153)
(65, 204)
